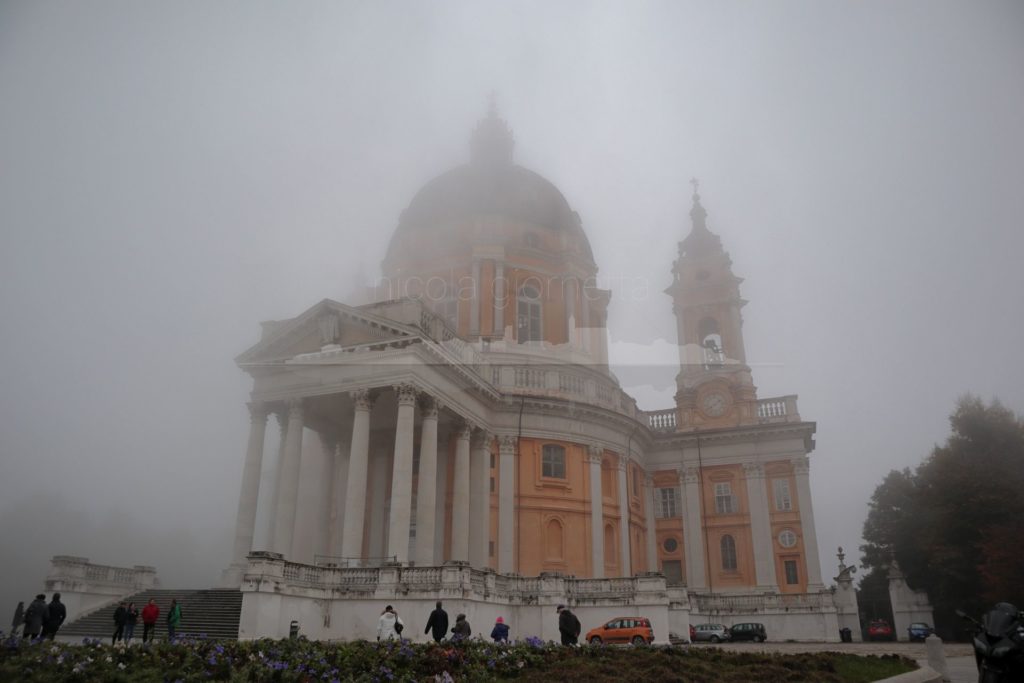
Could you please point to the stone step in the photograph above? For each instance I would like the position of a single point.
(213, 613)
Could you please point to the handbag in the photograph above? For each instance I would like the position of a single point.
(398, 626)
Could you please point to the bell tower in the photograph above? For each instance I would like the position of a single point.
(714, 387)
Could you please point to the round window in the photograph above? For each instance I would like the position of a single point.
(787, 539)
(670, 545)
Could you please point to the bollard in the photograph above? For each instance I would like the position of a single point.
(293, 630)
(936, 656)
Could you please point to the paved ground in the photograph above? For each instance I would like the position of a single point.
(959, 656)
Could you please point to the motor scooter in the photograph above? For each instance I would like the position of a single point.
(999, 644)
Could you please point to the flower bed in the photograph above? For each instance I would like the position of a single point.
(195, 659)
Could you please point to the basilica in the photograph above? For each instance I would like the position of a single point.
(458, 434)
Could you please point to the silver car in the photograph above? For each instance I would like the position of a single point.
(711, 633)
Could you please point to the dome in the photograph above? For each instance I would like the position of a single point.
(490, 185)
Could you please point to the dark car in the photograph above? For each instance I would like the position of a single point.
(919, 631)
(754, 632)
(879, 629)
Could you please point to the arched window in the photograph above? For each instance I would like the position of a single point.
(528, 314)
(711, 342)
(728, 545)
(552, 462)
(553, 540)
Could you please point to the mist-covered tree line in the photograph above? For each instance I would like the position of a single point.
(956, 522)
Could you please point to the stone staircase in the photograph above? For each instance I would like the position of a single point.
(212, 613)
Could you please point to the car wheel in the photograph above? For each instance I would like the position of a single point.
(715, 639)
(758, 639)
(596, 640)
(639, 640)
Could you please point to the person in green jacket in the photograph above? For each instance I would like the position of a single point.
(173, 619)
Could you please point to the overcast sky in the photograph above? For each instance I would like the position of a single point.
(173, 173)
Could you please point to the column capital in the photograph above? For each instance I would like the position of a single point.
(282, 418)
(295, 408)
(463, 429)
(595, 454)
(362, 399)
(482, 438)
(258, 411)
(507, 444)
(623, 463)
(801, 464)
(753, 470)
(428, 407)
(406, 394)
(690, 474)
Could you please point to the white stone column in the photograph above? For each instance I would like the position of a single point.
(652, 524)
(441, 524)
(802, 468)
(288, 495)
(310, 503)
(480, 499)
(626, 568)
(401, 476)
(358, 469)
(499, 299)
(426, 485)
(761, 527)
(245, 522)
(460, 497)
(282, 431)
(594, 458)
(474, 307)
(696, 576)
(339, 485)
(506, 503)
(325, 490)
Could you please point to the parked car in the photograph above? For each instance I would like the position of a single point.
(754, 632)
(879, 629)
(636, 630)
(711, 633)
(919, 631)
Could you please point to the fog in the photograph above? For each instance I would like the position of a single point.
(173, 173)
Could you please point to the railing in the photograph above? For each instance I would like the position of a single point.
(661, 420)
(530, 378)
(589, 588)
(337, 561)
(748, 603)
(778, 409)
(71, 568)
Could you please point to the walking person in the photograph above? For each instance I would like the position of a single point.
(35, 615)
(130, 621)
(390, 625)
(461, 630)
(437, 624)
(56, 613)
(120, 619)
(568, 626)
(500, 631)
(150, 613)
(19, 617)
(173, 619)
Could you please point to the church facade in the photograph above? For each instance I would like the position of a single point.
(461, 428)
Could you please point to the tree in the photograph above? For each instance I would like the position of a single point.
(954, 522)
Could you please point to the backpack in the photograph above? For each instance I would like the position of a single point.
(398, 626)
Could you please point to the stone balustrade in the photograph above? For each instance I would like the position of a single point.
(661, 420)
(85, 586)
(778, 409)
(753, 603)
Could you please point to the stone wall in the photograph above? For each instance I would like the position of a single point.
(85, 586)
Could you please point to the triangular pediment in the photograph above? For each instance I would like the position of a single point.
(327, 324)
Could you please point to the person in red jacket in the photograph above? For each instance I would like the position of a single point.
(150, 613)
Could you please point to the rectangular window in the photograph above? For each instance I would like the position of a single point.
(666, 503)
(636, 483)
(725, 504)
(553, 461)
(792, 576)
(492, 461)
(783, 501)
(490, 548)
(492, 484)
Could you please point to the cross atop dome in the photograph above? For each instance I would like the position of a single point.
(492, 141)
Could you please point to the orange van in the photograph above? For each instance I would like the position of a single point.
(636, 630)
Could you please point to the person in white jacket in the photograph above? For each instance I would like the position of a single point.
(390, 625)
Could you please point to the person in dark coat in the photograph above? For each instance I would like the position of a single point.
(437, 624)
(130, 621)
(35, 615)
(120, 619)
(461, 630)
(500, 631)
(568, 626)
(56, 613)
(19, 618)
